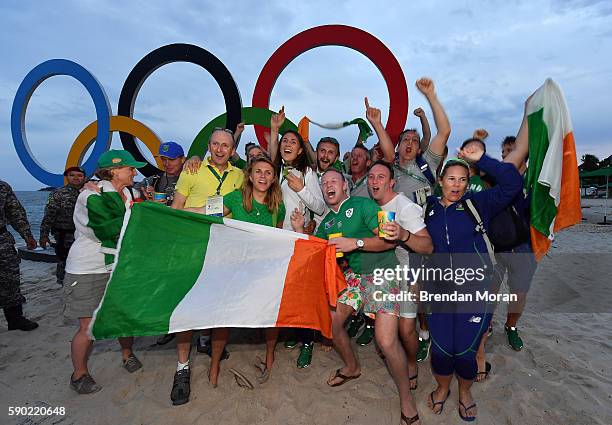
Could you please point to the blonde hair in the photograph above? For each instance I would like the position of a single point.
(274, 196)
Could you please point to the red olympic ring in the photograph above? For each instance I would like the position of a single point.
(337, 35)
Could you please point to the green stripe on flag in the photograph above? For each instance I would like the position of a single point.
(543, 209)
(147, 283)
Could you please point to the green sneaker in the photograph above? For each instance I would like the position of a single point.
(356, 324)
(290, 344)
(305, 356)
(514, 340)
(423, 351)
(366, 336)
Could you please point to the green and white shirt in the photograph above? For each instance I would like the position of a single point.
(356, 218)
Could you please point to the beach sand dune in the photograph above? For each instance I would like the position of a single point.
(563, 376)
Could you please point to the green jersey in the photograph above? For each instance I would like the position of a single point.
(259, 213)
(356, 218)
(476, 184)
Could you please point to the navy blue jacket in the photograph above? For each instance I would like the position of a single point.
(453, 231)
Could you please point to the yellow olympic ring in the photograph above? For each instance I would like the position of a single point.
(117, 123)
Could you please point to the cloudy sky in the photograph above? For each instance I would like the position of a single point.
(485, 57)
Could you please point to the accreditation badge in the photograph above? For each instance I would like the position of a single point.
(214, 205)
(420, 195)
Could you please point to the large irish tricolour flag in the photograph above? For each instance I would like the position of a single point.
(176, 270)
(552, 176)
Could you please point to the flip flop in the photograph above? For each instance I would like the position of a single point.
(488, 368)
(261, 366)
(241, 380)
(412, 378)
(435, 403)
(409, 420)
(344, 378)
(466, 418)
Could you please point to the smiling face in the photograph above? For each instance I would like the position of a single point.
(334, 188)
(380, 184)
(408, 147)
(221, 148)
(123, 176)
(262, 176)
(454, 183)
(327, 154)
(359, 161)
(290, 147)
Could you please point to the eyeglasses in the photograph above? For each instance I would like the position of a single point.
(227, 130)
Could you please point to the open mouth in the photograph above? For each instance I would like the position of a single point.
(375, 189)
(330, 193)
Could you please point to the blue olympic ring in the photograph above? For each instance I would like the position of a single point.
(34, 78)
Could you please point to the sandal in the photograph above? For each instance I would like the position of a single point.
(467, 418)
(435, 403)
(414, 378)
(261, 366)
(409, 420)
(344, 378)
(241, 380)
(486, 372)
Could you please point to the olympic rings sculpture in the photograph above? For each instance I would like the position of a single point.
(99, 132)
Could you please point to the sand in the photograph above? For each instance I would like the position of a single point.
(562, 376)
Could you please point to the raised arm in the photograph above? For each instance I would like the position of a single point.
(521, 147)
(419, 112)
(275, 123)
(443, 129)
(386, 145)
(311, 153)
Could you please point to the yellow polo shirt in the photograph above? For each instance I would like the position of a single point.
(203, 184)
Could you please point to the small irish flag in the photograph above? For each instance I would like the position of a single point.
(552, 177)
(176, 271)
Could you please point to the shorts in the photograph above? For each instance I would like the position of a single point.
(521, 265)
(362, 293)
(83, 293)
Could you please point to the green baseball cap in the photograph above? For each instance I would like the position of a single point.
(118, 158)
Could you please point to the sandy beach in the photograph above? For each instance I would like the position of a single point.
(562, 376)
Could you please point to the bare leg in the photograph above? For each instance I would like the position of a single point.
(219, 338)
(126, 344)
(80, 349)
(515, 309)
(440, 393)
(387, 339)
(271, 339)
(465, 397)
(342, 342)
(481, 357)
(183, 345)
(410, 341)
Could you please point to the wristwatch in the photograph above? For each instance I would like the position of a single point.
(360, 243)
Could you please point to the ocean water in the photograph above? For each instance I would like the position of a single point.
(34, 203)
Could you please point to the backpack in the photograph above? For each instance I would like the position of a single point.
(508, 230)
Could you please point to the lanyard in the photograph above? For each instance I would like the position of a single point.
(414, 176)
(359, 182)
(218, 177)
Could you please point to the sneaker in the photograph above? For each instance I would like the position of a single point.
(514, 340)
(356, 324)
(84, 385)
(423, 351)
(290, 344)
(206, 348)
(181, 387)
(163, 340)
(305, 356)
(132, 364)
(366, 336)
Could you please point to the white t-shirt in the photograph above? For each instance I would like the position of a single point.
(310, 198)
(408, 215)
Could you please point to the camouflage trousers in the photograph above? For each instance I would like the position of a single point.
(10, 294)
(64, 241)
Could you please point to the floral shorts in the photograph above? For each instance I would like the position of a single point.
(362, 293)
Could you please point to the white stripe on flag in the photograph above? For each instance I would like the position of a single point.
(241, 284)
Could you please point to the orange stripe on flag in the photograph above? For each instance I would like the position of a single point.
(310, 288)
(568, 211)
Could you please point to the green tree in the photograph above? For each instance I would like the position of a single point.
(589, 162)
